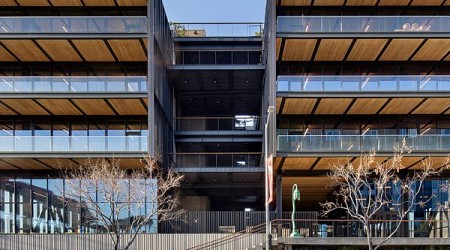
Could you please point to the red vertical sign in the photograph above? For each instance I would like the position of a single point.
(269, 177)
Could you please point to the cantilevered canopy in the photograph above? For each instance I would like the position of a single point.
(58, 3)
(363, 3)
(136, 106)
(362, 49)
(62, 163)
(362, 106)
(73, 50)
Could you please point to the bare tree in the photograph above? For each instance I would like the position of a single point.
(122, 202)
(365, 189)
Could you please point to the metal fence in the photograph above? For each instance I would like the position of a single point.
(103, 242)
(223, 221)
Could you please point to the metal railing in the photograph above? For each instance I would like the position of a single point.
(73, 84)
(362, 24)
(216, 57)
(359, 143)
(62, 25)
(216, 160)
(217, 29)
(377, 83)
(23, 144)
(330, 228)
(244, 123)
(212, 222)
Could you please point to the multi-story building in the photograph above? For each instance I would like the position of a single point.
(114, 79)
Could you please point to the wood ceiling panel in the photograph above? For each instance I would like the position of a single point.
(25, 50)
(407, 161)
(298, 106)
(131, 163)
(26, 163)
(329, 106)
(433, 50)
(367, 106)
(427, 2)
(328, 2)
(94, 106)
(278, 47)
(433, 106)
(132, 2)
(306, 182)
(128, 106)
(59, 163)
(5, 56)
(332, 49)
(436, 162)
(298, 163)
(366, 49)
(447, 3)
(361, 2)
(400, 49)
(278, 104)
(360, 161)
(59, 106)
(393, 2)
(129, 50)
(328, 162)
(401, 105)
(5, 110)
(33, 3)
(6, 166)
(298, 49)
(295, 2)
(94, 50)
(60, 50)
(99, 2)
(7, 3)
(66, 2)
(25, 106)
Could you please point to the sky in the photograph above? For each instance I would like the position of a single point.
(215, 10)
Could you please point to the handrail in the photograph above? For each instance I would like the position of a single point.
(224, 240)
(218, 153)
(217, 117)
(201, 30)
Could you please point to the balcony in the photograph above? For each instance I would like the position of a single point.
(357, 144)
(72, 144)
(398, 25)
(23, 85)
(203, 30)
(218, 162)
(73, 25)
(217, 124)
(363, 85)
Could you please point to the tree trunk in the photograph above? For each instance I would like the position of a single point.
(368, 237)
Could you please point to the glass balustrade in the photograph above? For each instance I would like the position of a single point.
(62, 25)
(238, 123)
(358, 143)
(217, 29)
(406, 83)
(216, 160)
(73, 84)
(363, 24)
(72, 144)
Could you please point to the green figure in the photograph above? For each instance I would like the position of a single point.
(295, 197)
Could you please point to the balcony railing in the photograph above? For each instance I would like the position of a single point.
(216, 57)
(244, 123)
(72, 144)
(325, 228)
(216, 160)
(363, 83)
(363, 24)
(217, 29)
(63, 25)
(73, 84)
(361, 143)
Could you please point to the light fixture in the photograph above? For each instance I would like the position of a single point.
(185, 81)
(246, 80)
(364, 84)
(64, 28)
(424, 83)
(426, 130)
(5, 29)
(215, 81)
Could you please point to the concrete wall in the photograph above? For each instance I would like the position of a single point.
(196, 203)
(102, 241)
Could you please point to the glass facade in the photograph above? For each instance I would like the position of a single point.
(42, 205)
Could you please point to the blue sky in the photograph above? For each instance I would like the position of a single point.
(215, 10)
